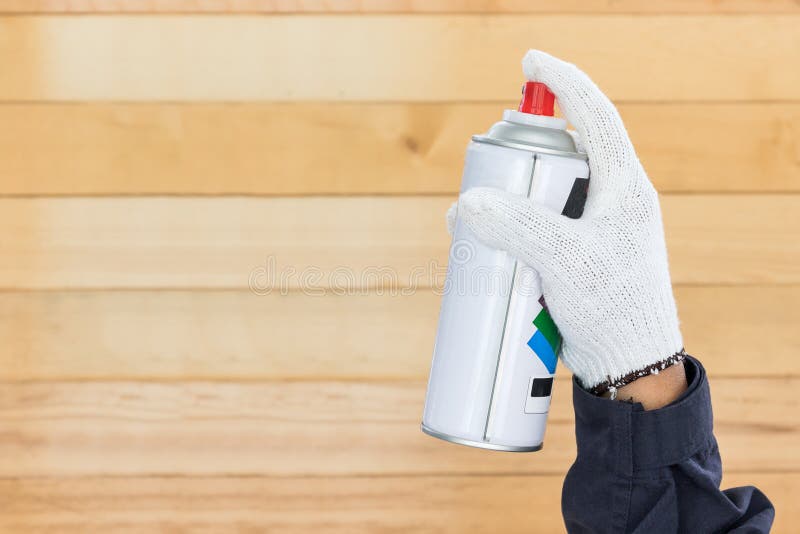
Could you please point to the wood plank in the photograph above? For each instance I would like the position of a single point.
(396, 504)
(396, 6)
(297, 149)
(222, 335)
(319, 428)
(409, 58)
(338, 242)
(455, 504)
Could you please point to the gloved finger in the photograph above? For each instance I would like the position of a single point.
(513, 223)
(451, 217)
(612, 159)
(583, 103)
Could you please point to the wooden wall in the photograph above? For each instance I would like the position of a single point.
(156, 156)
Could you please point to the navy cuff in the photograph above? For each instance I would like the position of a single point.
(623, 437)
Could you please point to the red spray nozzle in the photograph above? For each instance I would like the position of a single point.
(536, 99)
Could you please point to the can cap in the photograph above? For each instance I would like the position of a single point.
(537, 99)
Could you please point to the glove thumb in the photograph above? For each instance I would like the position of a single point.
(513, 223)
(452, 212)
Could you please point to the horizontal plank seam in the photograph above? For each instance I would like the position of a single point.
(374, 102)
(100, 12)
(326, 379)
(356, 293)
(336, 195)
(406, 14)
(314, 476)
(362, 291)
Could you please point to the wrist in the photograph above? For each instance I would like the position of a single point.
(629, 343)
(654, 391)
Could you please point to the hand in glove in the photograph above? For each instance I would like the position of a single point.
(604, 276)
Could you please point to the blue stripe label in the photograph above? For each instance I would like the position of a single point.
(541, 347)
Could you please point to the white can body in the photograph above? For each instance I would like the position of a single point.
(496, 346)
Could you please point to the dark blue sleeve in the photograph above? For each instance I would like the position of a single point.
(654, 471)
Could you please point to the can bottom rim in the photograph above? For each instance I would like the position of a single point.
(480, 444)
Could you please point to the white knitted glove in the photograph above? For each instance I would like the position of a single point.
(605, 276)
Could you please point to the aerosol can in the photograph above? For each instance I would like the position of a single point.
(497, 346)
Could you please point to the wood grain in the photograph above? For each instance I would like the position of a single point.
(315, 428)
(396, 6)
(233, 335)
(147, 383)
(409, 58)
(454, 504)
(301, 149)
(338, 242)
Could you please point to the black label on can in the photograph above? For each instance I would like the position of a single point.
(542, 387)
(577, 198)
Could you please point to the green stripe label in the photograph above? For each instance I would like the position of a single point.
(544, 323)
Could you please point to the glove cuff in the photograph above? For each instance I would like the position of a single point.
(622, 357)
(652, 369)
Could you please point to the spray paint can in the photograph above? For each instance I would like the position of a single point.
(496, 345)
